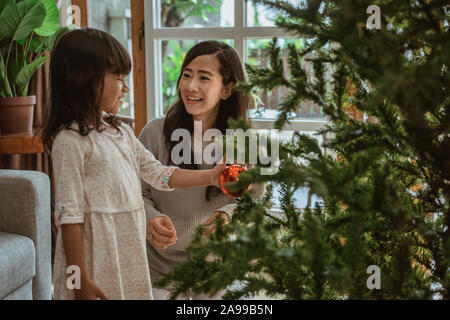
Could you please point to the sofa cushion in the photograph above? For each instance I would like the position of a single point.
(17, 262)
(25, 292)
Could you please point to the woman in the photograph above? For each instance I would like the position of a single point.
(205, 93)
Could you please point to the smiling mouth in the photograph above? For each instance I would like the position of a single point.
(192, 99)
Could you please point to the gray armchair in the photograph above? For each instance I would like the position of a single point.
(25, 235)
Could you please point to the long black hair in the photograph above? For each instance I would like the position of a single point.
(234, 107)
(79, 63)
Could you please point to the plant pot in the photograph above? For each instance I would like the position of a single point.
(16, 114)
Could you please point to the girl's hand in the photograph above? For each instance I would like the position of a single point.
(161, 232)
(217, 171)
(89, 291)
(210, 225)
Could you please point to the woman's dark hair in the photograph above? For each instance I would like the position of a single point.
(234, 107)
(79, 63)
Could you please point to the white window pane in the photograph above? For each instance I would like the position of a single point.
(173, 53)
(197, 13)
(300, 197)
(267, 104)
(259, 15)
(114, 17)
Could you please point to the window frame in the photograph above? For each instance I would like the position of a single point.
(240, 33)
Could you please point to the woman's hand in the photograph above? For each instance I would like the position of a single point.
(210, 225)
(161, 232)
(89, 291)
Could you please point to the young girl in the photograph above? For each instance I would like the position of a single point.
(97, 167)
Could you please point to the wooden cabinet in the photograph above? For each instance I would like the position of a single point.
(21, 143)
(14, 146)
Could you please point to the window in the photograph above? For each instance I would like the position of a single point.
(171, 31)
(114, 17)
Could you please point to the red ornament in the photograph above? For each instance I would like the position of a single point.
(231, 174)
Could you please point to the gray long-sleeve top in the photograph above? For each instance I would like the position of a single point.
(187, 208)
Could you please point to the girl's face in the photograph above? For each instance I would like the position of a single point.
(201, 87)
(114, 91)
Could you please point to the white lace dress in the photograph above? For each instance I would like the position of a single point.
(97, 184)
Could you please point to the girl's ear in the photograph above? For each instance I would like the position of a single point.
(227, 91)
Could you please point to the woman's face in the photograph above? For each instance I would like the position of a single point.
(201, 87)
(114, 91)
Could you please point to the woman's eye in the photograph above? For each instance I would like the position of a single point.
(185, 75)
(204, 78)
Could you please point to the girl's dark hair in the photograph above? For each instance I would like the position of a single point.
(79, 63)
(234, 107)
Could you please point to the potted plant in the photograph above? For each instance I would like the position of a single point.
(28, 28)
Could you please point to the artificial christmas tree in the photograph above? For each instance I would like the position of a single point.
(381, 229)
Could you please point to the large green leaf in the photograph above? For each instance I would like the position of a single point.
(4, 3)
(18, 20)
(51, 21)
(24, 76)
